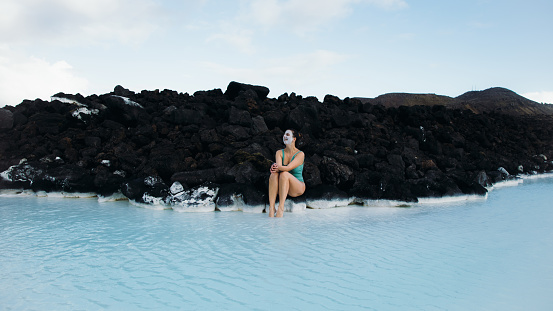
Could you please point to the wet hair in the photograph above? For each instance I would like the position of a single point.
(296, 134)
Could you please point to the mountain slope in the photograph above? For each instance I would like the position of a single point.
(407, 99)
(497, 99)
(500, 100)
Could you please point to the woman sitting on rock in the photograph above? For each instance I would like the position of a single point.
(286, 174)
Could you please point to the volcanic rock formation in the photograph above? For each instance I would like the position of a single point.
(165, 146)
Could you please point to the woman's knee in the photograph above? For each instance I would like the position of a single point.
(284, 176)
(274, 177)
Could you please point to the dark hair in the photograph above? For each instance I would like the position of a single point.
(296, 134)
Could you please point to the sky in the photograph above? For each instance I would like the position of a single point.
(347, 48)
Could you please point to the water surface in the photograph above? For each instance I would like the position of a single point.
(79, 254)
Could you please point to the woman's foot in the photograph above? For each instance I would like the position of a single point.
(280, 212)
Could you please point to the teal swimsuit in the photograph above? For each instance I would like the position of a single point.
(298, 171)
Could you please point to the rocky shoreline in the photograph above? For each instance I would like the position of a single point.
(212, 150)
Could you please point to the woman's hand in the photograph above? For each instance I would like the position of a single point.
(274, 168)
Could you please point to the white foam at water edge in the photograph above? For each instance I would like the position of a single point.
(16, 193)
(155, 202)
(290, 207)
(381, 203)
(231, 208)
(237, 205)
(255, 209)
(506, 183)
(326, 204)
(194, 208)
(118, 196)
(293, 207)
(452, 199)
(62, 194)
(537, 176)
(156, 207)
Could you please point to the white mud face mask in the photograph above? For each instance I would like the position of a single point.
(288, 137)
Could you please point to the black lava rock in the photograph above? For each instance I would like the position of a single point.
(140, 143)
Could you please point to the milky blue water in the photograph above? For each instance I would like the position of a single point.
(79, 254)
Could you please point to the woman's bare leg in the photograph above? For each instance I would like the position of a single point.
(283, 187)
(273, 191)
(288, 185)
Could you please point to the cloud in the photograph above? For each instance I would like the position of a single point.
(294, 67)
(318, 62)
(27, 26)
(239, 38)
(299, 17)
(300, 71)
(77, 22)
(540, 97)
(307, 15)
(31, 78)
(389, 4)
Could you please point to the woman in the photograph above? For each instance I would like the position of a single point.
(286, 174)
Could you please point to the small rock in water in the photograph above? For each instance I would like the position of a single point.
(240, 197)
(176, 188)
(503, 171)
(198, 199)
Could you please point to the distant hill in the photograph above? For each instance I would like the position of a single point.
(497, 99)
(500, 100)
(407, 99)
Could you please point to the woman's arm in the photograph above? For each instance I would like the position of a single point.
(298, 160)
(278, 162)
(278, 158)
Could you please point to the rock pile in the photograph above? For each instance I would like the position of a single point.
(162, 147)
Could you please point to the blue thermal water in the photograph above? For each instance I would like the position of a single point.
(79, 254)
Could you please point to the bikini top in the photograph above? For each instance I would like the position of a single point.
(298, 171)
